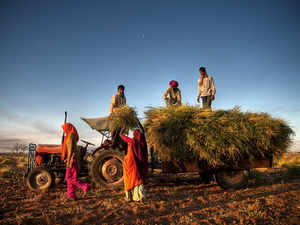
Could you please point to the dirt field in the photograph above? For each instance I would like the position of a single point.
(272, 197)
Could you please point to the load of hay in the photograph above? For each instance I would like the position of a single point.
(124, 117)
(221, 137)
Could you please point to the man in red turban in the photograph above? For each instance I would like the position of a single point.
(172, 95)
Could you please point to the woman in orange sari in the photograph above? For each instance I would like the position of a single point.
(135, 166)
(71, 151)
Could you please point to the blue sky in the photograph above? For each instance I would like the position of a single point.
(58, 55)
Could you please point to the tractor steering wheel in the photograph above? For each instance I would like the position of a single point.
(87, 143)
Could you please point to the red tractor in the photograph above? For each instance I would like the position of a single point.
(45, 167)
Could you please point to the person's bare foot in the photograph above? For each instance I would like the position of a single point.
(143, 201)
(71, 199)
(84, 194)
(127, 199)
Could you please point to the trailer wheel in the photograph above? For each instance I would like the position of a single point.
(106, 170)
(235, 179)
(39, 179)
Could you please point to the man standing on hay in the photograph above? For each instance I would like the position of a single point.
(117, 101)
(172, 95)
(206, 89)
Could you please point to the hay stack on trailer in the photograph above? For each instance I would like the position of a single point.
(221, 138)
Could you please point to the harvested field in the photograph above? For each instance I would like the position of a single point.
(272, 197)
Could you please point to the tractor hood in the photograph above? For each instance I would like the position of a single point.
(48, 149)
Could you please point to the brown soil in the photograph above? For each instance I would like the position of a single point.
(171, 199)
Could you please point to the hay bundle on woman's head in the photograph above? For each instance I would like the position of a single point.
(220, 137)
(124, 116)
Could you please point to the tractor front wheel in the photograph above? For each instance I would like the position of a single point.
(39, 179)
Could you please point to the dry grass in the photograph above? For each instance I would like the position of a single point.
(11, 165)
(221, 137)
(5, 172)
(124, 117)
(289, 159)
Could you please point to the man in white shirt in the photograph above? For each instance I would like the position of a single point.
(206, 89)
(118, 99)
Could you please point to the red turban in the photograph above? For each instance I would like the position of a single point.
(173, 84)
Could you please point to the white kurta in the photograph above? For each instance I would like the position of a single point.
(207, 88)
(116, 102)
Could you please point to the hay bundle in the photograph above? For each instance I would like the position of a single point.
(124, 117)
(221, 137)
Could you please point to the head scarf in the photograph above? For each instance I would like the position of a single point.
(68, 130)
(173, 84)
(140, 152)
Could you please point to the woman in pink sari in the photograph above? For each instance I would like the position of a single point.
(71, 150)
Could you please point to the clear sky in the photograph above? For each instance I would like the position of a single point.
(57, 55)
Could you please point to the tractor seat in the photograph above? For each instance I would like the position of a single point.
(49, 149)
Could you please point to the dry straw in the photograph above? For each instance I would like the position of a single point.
(124, 116)
(221, 137)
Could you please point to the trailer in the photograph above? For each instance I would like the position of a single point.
(106, 168)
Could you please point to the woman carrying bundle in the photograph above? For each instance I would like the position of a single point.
(72, 152)
(172, 95)
(135, 166)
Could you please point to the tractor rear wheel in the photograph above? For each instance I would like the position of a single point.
(106, 169)
(235, 179)
(39, 179)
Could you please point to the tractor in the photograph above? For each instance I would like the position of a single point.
(45, 168)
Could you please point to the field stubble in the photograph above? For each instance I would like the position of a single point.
(272, 197)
